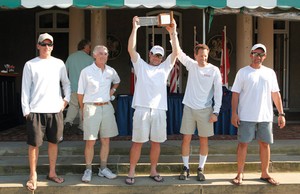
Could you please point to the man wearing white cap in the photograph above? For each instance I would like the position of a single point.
(43, 105)
(150, 99)
(253, 90)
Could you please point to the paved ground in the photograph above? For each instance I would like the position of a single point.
(291, 131)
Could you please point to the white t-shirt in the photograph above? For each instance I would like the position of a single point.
(41, 91)
(255, 87)
(151, 84)
(203, 84)
(95, 85)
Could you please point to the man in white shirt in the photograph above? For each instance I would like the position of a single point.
(97, 83)
(150, 100)
(254, 88)
(43, 105)
(204, 83)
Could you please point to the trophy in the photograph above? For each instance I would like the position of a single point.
(163, 19)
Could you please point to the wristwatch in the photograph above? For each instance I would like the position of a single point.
(281, 114)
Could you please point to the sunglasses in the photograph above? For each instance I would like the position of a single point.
(258, 54)
(157, 55)
(45, 44)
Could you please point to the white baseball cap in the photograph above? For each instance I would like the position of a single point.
(259, 45)
(45, 36)
(157, 50)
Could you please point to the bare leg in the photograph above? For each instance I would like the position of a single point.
(104, 151)
(203, 146)
(52, 153)
(264, 150)
(185, 146)
(135, 153)
(241, 159)
(89, 151)
(33, 154)
(154, 157)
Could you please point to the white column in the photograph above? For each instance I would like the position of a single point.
(265, 35)
(98, 27)
(76, 28)
(244, 40)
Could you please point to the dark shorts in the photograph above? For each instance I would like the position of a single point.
(44, 125)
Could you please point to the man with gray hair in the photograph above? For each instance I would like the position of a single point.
(97, 83)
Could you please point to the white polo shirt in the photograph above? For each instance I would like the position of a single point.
(95, 84)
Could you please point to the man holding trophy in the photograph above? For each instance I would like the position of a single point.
(150, 96)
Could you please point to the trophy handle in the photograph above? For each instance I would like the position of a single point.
(161, 22)
(172, 18)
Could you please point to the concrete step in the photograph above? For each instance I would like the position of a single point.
(170, 147)
(214, 184)
(119, 164)
(285, 157)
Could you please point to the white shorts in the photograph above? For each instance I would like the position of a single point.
(99, 119)
(197, 118)
(149, 124)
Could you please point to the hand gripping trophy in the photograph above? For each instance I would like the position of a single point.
(163, 19)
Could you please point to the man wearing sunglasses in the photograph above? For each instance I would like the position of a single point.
(253, 90)
(150, 99)
(43, 105)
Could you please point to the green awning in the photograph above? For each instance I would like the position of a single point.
(107, 4)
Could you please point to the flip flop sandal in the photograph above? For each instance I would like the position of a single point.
(129, 180)
(270, 180)
(237, 180)
(157, 178)
(31, 185)
(55, 179)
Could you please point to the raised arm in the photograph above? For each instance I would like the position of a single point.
(132, 40)
(174, 41)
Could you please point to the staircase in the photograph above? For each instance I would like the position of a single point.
(219, 170)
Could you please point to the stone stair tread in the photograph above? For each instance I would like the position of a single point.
(219, 183)
(170, 147)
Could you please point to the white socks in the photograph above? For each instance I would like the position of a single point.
(202, 161)
(185, 160)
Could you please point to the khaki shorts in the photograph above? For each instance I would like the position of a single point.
(149, 124)
(199, 119)
(99, 120)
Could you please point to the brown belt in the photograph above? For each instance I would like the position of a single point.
(100, 103)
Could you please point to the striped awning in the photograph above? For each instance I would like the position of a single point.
(108, 4)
